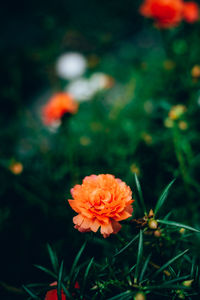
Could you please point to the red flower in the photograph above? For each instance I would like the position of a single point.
(53, 295)
(190, 12)
(167, 13)
(57, 106)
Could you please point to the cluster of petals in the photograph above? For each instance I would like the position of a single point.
(58, 105)
(101, 201)
(169, 13)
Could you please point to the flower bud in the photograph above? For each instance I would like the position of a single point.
(153, 224)
(151, 213)
(182, 230)
(188, 283)
(177, 111)
(157, 233)
(168, 123)
(140, 296)
(183, 125)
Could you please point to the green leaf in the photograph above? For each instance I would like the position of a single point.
(169, 262)
(172, 223)
(130, 270)
(167, 287)
(167, 216)
(141, 199)
(76, 262)
(139, 256)
(66, 292)
(176, 280)
(125, 295)
(128, 245)
(193, 267)
(86, 275)
(53, 258)
(60, 280)
(34, 296)
(36, 285)
(144, 267)
(172, 272)
(163, 197)
(46, 271)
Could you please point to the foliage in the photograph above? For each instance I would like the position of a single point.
(142, 127)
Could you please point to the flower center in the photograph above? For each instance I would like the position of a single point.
(100, 197)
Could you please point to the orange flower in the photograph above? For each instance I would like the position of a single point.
(167, 13)
(191, 12)
(57, 106)
(101, 201)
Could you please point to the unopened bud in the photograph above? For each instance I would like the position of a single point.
(182, 230)
(151, 213)
(157, 233)
(153, 224)
(140, 296)
(188, 283)
(180, 294)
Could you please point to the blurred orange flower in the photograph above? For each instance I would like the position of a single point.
(177, 111)
(101, 201)
(57, 106)
(191, 12)
(16, 168)
(167, 13)
(195, 71)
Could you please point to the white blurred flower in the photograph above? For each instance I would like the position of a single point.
(100, 81)
(71, 65)
(81, 89)
(84, 89)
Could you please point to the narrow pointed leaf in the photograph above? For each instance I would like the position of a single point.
(60, 274)
(34, 296)
(129, 271)
(36, 285)
(167, 216)
(144, 267)
(53, 258)
(141, 199)
(127, 246)
(169, 262)
(46, 271)
(76, 261)
(193, 267)
(86, 275)
(163, 197)
(172, 272)
(122, 296)
(66, 292)
(167, 287)
(139, 256)
(172, 223)
(176, 280)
